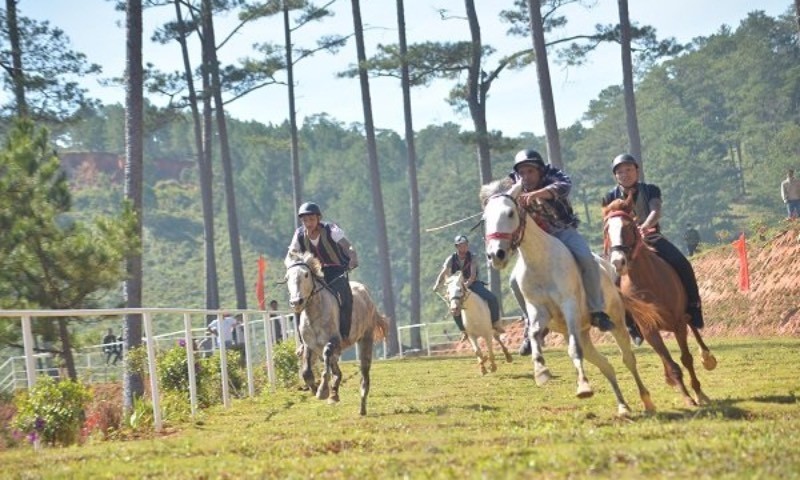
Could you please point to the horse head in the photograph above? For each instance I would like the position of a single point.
(456, 292)
(503, 220)
(302, 272)
(621, 235)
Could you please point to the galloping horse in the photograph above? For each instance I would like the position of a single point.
(647, 276)
(318, 308)
(477, 320)
(553, 290)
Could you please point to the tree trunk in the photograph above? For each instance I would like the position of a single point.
(631, 119)
(375, 183)
(545, 86)
(297, 181)
(17, 72)
(66, 350)
(476, 100)
(225, 153)
(204, 171)
(797, 12)
(134, 161)
(413, 187)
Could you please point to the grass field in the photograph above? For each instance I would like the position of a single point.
(438, 418)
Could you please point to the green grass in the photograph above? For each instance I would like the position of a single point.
(438, 418)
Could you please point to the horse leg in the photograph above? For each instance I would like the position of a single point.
(365, 352)
(629, 359)
(306, 370)
(477, 349)
(594, 357)
(336, 372)
(574, 349)
(538, 324)
(324, 387)
(688, 362)
(490, 348)
(708, 358)
(503, 347)
(672, 372)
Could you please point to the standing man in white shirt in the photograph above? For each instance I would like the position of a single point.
(790, 192)
(223, 330)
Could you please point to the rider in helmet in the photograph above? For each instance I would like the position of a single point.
(551, 187)
(463, 260)
(330, 245)
(647, 207)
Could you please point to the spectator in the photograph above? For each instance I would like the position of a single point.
(278, 320)
(790, 192)
(223, 329)
(692, 239)
(112, 347)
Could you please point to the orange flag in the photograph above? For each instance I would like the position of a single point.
(262, 267)
(744, 270)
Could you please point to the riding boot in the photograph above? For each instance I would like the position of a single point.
(633, 330)
(602, 322)
(460, 324)
(525, 346)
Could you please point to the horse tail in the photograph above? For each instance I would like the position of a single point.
(648, 316)
(381, 326)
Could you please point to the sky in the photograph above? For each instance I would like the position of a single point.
(97, 30)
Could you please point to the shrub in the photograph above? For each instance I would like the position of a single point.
(210, 389)
(136, 360)
(7, 437)
(104, 413)
(287, 364)
(52, 411)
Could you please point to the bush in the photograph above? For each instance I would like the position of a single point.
(287, 364)
(104, 413)
(7, 437)
(173, 375)
(52, 412)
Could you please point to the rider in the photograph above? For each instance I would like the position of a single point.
(647, 208)
(330, 245)
(463, 260)
(550, 186)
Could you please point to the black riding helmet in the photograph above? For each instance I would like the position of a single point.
(309, 208)
(528, 156)
(623, 158)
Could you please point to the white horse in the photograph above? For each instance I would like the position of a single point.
(318, 308)
(551, 284)
(477, 320)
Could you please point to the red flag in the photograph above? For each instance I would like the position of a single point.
(744, 271)
(262, 267)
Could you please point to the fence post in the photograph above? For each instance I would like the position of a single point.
(151, 363)
(251, 388)
(27, 341)
(268, 346)
(223, 362)
(187, 327)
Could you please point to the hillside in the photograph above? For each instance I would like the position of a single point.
(770, 308)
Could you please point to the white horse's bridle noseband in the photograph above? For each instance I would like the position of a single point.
(515, 237)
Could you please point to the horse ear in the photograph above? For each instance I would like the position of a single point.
(515, 190)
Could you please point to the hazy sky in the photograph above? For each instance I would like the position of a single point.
(513, 107)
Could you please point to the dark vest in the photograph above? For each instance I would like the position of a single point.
(644, 193)
(465, 268)
(329, 252)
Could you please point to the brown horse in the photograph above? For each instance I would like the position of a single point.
(646, 276)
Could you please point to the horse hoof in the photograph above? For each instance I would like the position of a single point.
(584, 391)
(483, 370)
(543, 376)
(689, 402)
(322, 393)
(709, 360)
(702, 399)
(509, 359)
(493, 367)
(649, 406)
(333, 400)
(623, 411)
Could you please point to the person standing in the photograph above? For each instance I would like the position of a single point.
(462, 260)
(111, 347)
(223, 329)
(647, 207)
(277, 320)
(327, 242)
(790, 193)
(692, 238)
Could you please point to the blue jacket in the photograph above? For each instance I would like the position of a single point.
(557, 212)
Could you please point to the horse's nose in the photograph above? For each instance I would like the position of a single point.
(296, 302)
(500, 254)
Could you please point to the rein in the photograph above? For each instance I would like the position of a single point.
(314, 278)
(515, 237)
(638, 241)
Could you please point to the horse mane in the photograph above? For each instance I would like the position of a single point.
(305, 257)
(494, 188)
(623, 204)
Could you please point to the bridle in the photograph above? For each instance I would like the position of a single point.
(630, 251)
(318, 285)
(466, 292)
(515, 237)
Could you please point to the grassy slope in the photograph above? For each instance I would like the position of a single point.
(437, 418)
